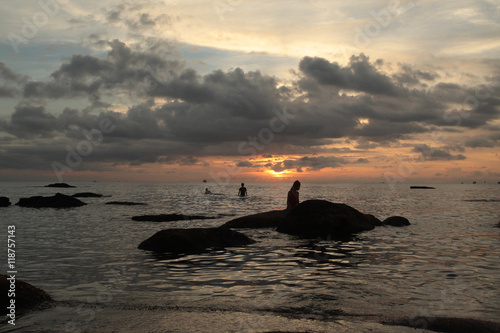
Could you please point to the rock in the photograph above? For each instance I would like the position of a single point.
(4, 202)
(170, 217)
(57, 201)
(423, 187)
(261, 220)
(396, 221)
(376, 222)
(320, 218)
(125, 203)
(27, 296)
(194, 240)
(62, 185)
(87, 195)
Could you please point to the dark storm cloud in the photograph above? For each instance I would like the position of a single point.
(31, 121)
(359, 75)
(90, 76)
(178, 115)
(435, 154)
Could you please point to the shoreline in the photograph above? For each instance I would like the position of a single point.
(68, 316)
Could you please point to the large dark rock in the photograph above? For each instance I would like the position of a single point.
(261, 220)
(57, 201)
(320, 218)
(170, 217)
(194, 240)
(26, 296)
(60, 185)
(4, 202)
(396, 221)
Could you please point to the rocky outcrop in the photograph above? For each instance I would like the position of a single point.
(57, 201)
(125, 203)
(396, 221)
(87, 195)
(60, 185)
(170, 217)
(194, 240)
(4, 202)
(320, 218)
(261, 220)
(27, 296)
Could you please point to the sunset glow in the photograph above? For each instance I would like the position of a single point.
(324, 91)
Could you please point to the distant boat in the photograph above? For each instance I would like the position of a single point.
(423, 187)
(473, 182)
(204, 180)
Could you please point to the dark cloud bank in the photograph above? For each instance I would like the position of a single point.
(177, 116)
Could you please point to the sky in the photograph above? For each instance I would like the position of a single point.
(250, 91)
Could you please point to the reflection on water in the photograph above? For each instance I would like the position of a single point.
(445, 263)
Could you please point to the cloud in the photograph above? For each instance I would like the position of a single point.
(309, 163)
(483, 141)
(244, 164)
(31, 121)
(172, 114)
(359, 75)
(435, 154)
(411, 77)
(10, 82)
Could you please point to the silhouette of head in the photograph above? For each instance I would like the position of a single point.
(296, 185)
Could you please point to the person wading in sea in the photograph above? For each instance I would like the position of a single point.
(243, 190)
(293, 195)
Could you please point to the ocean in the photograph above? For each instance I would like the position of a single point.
(445, 264)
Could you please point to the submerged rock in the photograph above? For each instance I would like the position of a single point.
(396, 221)
(62, 185)
(170, 217)
(320, 218)
(126, 203)
(423, 187)
(26, 296)
(4, 202)
(87, 195)
(269, 219)
(57, 201)
(194, 240)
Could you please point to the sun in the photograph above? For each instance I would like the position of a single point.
(278, 174)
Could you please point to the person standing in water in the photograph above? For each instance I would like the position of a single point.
(293, 195)
(243, 190)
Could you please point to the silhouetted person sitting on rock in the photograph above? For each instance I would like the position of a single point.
(293, 195)
(243, 190)
(207, 191)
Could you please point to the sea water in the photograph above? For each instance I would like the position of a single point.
(446, 263)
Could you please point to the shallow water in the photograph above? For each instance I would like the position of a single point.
(444, 264)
